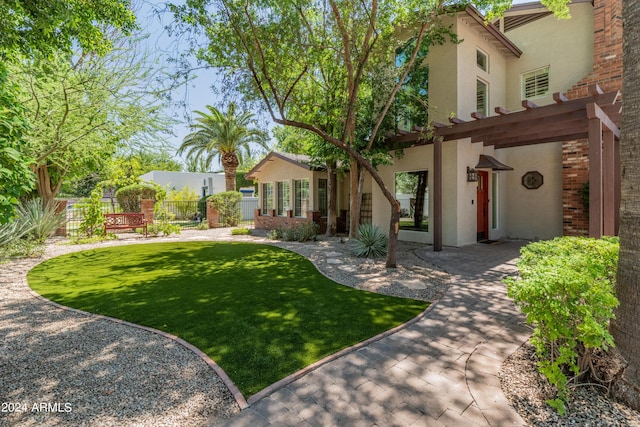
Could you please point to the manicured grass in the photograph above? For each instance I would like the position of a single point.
(259, 311)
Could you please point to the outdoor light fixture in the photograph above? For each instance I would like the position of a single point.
(472, 175)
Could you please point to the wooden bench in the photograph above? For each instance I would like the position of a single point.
(119, 221)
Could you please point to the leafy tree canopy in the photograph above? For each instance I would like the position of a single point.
(54, 25)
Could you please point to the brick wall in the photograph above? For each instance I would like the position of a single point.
(607, 73)
(272, 221)
(147, 207)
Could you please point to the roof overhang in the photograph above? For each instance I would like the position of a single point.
(495, 37)
(488, 162)
(297, 160)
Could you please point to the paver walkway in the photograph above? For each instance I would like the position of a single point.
(440, 371)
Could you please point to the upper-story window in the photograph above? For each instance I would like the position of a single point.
(535, 83)
(412, 98)
(482, 97)
(482, 60)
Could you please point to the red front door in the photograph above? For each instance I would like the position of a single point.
(483, 205)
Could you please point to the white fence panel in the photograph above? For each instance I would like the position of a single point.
(248, 206)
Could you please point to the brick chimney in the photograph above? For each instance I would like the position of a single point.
(607, 73)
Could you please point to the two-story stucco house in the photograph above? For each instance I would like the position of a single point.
(513, 160)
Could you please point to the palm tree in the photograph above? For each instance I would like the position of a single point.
(226, 136)
(625, 327)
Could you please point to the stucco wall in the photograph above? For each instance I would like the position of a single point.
(565, 46)
(443, 87)
(468, 71)
(179, 180)
(534, 214)
(280, 170)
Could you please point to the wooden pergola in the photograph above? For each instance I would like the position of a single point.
(594, 117)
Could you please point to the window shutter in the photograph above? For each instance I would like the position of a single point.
(535, 83)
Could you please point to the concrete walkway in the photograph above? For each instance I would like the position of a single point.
(440, 371)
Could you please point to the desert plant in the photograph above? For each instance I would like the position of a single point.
(566, 289)
(13, 231)
(369, 241)
(227, 204)
(42, 219)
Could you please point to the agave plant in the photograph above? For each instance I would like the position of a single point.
(43, 220)
(369, 241)
(13, 231)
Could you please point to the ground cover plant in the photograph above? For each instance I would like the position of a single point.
(259, 311)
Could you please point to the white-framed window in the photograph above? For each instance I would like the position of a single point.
(535, 83)
(267, 198)
(301, 197)
(482, 97)
(495, 206)
(283, 197)
(482, 60)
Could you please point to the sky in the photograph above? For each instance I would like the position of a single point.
(197, 94)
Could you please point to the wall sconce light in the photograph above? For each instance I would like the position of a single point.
(472, 175)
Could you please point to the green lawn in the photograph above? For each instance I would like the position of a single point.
(259, 311)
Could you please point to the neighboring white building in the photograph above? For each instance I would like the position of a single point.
(205, 184)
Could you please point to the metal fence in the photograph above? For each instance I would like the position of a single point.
(187, 215)
(247, 208)
(76, 212)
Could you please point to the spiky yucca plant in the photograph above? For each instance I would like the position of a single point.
(369, 241)
(42, 218)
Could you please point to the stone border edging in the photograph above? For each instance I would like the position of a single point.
(302, 372)
(233, 389)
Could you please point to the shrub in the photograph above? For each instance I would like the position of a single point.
(162, 224)
(129, 197)
(302, 232)
(92, 218)
(43, 220)
(240, 231)
(566, 289)
(227, 204)
(369, 241)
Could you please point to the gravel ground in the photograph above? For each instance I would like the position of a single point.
(58, 367)
(527, 391)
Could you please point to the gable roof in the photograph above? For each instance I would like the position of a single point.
(524, 13)
(301, 160)
(495, 37)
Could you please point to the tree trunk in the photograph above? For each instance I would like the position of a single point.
(419, 207)
(626, 327)
(46, 191)
(332, 197)
(354, 206)
(394, 226)
(230, 165)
